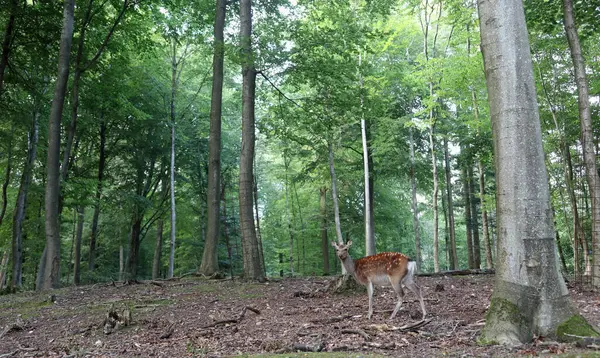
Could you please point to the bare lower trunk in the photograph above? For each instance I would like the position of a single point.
(51, 277)
(21, 204)
(288, 216)
(489, 262)
(324, 240)
(452, 255)
(252, 265)
(98, 197)
(415, 209)
(336, 207)
(436, 259)
(258, 234)
(77, 258)
(587, 135)
(474, 220)
(121, 263)
(3, 269)
(530, 297)
(468, 224)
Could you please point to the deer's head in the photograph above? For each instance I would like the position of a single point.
(341, 250)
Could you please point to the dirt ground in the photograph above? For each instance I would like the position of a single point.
(208, 318)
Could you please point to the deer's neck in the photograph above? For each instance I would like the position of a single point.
(348, 263)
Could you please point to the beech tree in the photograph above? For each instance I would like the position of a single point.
(530, 297)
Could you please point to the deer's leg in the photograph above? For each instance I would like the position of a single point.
(399, 293)
(370, 292)
(411, 284)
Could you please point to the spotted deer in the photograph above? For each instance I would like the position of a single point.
(384, 269)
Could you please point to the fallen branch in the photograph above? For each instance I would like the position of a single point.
(380, 345)
(357, 331)
(234, 320)
(458, 273)
(405, 328)
(316, 347)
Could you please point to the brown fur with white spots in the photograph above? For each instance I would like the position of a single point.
(384, 269)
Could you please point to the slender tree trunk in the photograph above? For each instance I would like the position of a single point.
(468, 216)
(287, 213)
(98, 197)
(21, 203)
(7, 175)
(370, 248)
(530, 297)
(252, 266)
(209, 258)
(172, 168)
(415, 209)
(436, 259)
(324, 240)
(452, 255)
(489, 262)
(336, 206)
(587, 135)
(3, 269)
(258, 234)
(121, 263)
(226, 231)
(474, 221)
(77, 258)
(6, 42)
(156, 262)
(51, 278)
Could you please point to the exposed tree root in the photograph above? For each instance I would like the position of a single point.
(234, 320)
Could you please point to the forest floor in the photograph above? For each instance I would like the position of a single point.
(215, 318)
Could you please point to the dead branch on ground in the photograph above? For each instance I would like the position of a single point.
(234, 320)
(357, 331)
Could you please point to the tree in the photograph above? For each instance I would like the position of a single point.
(50, 272)
(252, 265)
(530, 297)
(587, 137)
(209, 257)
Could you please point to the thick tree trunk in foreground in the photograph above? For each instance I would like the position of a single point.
(587, 135)
(250, 247)
(51, 271)
(530, 297)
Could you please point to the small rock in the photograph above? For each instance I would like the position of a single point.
(98, 343)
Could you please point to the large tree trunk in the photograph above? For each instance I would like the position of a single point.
(209, 257)
(587, 136)
(452, 255)
(99, 186)
(250, 247)
(474, 221)
(530, 297)
(324, 240)
(415, 209)
(77, 256)
(370, 248)
(21, 203)
(51, 278)
(6, 42)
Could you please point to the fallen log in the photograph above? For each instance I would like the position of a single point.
(458, 273)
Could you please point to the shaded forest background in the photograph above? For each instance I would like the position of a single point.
(412, 70)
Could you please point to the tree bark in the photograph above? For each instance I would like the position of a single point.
(77, 256)
(489, 261)
(174, 84)
(452, 255)
(3, 269)
(156, 262)
(258, 234)
(98, 197)
(468, 224)
(587, 135)
(436, 214)
(21, 203)
(250, 247)
(6, 42)
(51, 278)
(336, 205)
(474, 221)
(530, 297)
(7, 175)
(287, 212)
(209, 257)
(415, 209)
(370, 248)
(324, 240)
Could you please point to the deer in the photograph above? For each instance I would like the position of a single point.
(383, 269)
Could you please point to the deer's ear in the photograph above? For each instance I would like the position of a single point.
(349, 244)
(334, 244)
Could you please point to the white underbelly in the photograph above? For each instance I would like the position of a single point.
(381, 280)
